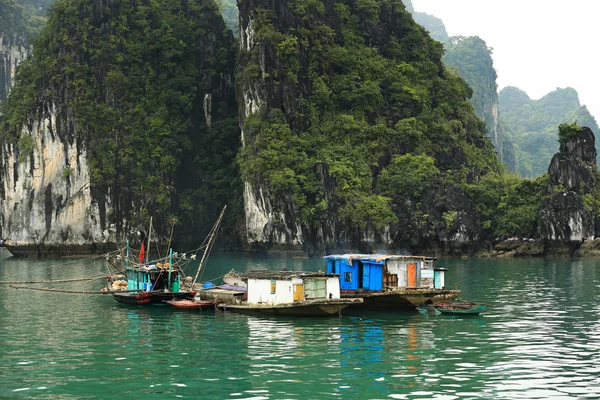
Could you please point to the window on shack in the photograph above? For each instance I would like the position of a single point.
(347, 276)
(315, 288)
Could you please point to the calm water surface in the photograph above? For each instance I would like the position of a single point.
(540, 338)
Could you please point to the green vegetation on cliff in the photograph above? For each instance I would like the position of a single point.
(372, 130)
(352, 125)
(22, 18)
(133, 81)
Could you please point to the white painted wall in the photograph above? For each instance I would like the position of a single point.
(400, 268)
(333, 287)
(259, 292)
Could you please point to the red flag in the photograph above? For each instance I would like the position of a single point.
(141, 256)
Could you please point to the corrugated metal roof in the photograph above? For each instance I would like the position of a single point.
(267, 274)
(377, 257)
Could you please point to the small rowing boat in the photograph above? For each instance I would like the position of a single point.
(202, 305)
(460, 308)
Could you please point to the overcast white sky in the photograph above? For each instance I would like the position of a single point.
(538, 45)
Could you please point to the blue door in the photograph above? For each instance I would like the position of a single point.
(373, 276)
(366, 276)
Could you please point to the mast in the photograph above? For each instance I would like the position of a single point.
(148, 246)
(170, 268)
(213, 233)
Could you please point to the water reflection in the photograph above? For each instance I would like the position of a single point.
(540, 338)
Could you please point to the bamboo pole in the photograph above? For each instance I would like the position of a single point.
(148, 247)
(170, 268)
(74, 291)
(170, 240)
(209, 244)
(53, 281)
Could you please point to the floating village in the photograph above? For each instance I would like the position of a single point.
(383, 282)
(354, 281)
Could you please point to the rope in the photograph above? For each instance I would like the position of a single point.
(73, 291)
(63, 264)
(53, 281)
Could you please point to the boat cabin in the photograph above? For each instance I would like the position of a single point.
(376, 272)
(152, 277)
(281, 287)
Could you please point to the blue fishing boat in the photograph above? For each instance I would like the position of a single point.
(154, 283)
(162, 281)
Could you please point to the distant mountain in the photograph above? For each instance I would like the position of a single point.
(434, 25)
(472, 58)
(20, 20)
(230, 13)
(532, 124)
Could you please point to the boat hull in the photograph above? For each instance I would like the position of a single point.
(308, 308)
(461, 309)
(159, 297)
(185, 304)
(145, 298)
(132, 298)
(403, 299)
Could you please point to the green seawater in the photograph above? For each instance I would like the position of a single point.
(539, 339)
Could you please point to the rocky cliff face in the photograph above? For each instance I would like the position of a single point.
(332, 74)
(12, 52)
(47, 206)
(264, 221)
(74, 137)
(564, 216)
(473, 60)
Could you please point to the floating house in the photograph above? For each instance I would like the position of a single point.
(390, 281)
(291, 293)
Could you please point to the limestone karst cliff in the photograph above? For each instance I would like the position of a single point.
(472, 59)
(354, 135)
(573, 172)
(340, 102)
(114, 119)
(532, 124)
(13, 51)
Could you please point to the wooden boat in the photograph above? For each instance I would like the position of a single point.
(291, 293)
(306, 308)
(202, 305)
(135, 298)
(159, 281)
(390, 282)
(460, 308)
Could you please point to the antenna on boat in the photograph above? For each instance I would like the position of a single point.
(209, 245)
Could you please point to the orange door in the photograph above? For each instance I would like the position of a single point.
(298, 292)
(412, 275)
